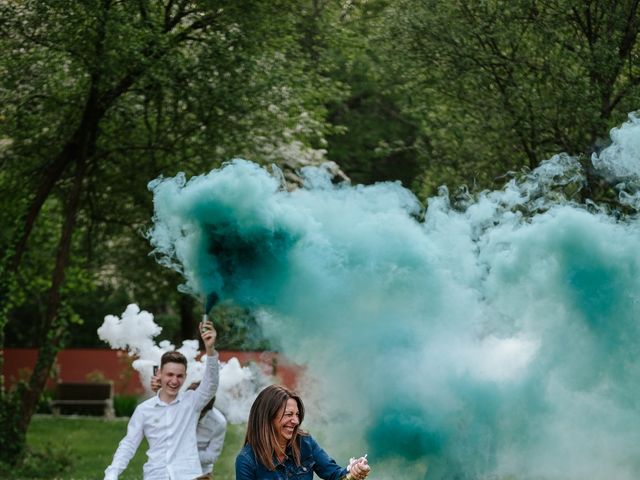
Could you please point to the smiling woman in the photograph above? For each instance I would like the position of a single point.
(286, 423)
(276, 449)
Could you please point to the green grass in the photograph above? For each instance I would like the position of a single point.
(92, 442)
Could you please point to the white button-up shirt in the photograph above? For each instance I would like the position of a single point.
(170, 430)
(212, 428)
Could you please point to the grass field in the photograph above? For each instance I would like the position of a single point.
(92, 441)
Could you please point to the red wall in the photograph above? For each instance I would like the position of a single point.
(82, 364)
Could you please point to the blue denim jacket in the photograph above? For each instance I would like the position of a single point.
(312, 459)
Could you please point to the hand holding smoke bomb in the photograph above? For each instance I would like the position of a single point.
(208, 334)
(155, 379)
(358, 468)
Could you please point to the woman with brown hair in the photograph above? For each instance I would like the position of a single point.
(276, 449)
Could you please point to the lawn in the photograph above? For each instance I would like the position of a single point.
(92, 441)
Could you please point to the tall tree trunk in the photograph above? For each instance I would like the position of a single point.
(17, 408)
(80, 146)
(15, 415)
(54, 325)
(23, 228)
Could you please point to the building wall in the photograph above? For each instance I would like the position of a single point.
(86, 364)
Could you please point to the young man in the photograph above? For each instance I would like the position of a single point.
(168, 420)
(210, 433)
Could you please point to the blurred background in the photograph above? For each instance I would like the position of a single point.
(99, 97)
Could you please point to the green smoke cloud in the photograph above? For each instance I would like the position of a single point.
(501, 338)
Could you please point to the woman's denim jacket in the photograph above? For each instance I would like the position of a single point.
(312, 459)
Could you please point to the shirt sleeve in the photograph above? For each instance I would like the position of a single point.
(245, 467)
(127, 447)
(209, 384)
(214, 447)
(325, 466)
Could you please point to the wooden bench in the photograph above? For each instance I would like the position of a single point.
(84, 398)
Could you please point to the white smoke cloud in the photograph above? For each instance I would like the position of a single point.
(135, 331)
(621, 159)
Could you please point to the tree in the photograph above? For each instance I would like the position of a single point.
(499, 86)
(378, 139)
(98, 98)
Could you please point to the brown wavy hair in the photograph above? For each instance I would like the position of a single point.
(261, 434)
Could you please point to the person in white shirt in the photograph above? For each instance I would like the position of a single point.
(168, 420)
(210, 433)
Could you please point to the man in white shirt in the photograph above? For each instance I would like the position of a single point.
(210, 433)
(168, 420)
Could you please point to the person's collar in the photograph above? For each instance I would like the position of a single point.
(277, 462)
(159, 401)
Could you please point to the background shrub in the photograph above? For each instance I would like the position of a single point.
(48, 462)
(124, 405)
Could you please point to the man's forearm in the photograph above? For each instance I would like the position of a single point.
(211, 374)
(125, 451)
(209, 384)
(121, 459)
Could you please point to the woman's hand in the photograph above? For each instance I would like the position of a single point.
(358, 468)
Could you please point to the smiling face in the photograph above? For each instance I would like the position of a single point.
(287, 421)
(172, 376)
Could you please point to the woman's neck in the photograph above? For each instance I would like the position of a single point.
(281, 450)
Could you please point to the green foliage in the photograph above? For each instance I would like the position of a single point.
(13, 438)
(498, 86)
(99, 97)
(180, 86)
(44, 403)
(124, 405)
(48, 462)
(237, 328)
(375, 140)
(427, 92)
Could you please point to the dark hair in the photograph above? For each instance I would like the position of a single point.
(209, 405)
(173, 357)
(261, 434)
